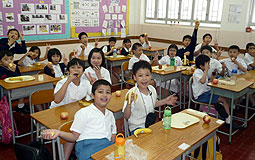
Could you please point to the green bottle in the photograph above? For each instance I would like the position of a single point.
(172, 63)
(167, 118)
(114, 53)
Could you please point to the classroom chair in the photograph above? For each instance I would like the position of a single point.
(41, 72)
(126, 129)
(124, 69)
(60, 142)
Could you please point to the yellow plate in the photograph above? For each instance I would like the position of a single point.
(19, 79)
(85, 104)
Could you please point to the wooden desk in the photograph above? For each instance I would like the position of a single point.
(31, 70)
(232, 92)
(24, 89)
(163, 144)
(153, 50)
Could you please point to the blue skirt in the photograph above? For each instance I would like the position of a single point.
(205, 98)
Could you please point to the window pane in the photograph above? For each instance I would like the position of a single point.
(200, 9)
(186, 9)
(253, 14)
(215, 11)
(161, 9)
(173, 8)
(155, 21)
(150, 9)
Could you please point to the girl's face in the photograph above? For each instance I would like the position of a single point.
(76, 70)
(84, 39)
(13, 35)
(6, 60)
(143, 78)
(127, 45)
(172, 52)
(96, 59)
(207, 53)
(102, 96)
(36, 54)
(55, 59)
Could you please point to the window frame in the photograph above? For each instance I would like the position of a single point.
(251, 14)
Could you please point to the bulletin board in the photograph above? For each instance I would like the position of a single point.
(99, 17)
(37, 19)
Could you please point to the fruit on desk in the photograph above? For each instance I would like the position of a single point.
(128, 96)
(207, 119)
(215, 81)
(118, 93)
(15, 78)
(64, 115)
(159, 66)
(142, 130)
(149, 47)
(145, 34)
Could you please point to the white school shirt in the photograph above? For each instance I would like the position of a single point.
(28, 61)
(166, 60)
(86, 51)
(230, 65)
(199, 46)
(91, 123)
(197, 87)
(214, 65)
(57, 70)
(138, 112)
(248, 59)
(128, 50)
(104, 72)
(145, 45)
(73, 93)
(134, 59)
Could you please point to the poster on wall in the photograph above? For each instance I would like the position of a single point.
(235, 13)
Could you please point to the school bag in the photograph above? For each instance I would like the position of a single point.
(5, 122)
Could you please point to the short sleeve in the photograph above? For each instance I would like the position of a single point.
(58, 86)
(247, 59)
(219, 66)
(113, 123)
(146, 58)
(130, 64)
(79, 50)
(197, 47)
(162, 61)
(197, 76)
(243, 63)
(106, 75)
(79, 123)
(179, 61)
(104, 49)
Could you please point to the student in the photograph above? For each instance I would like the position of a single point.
(215, 66)
(85, 47)
(10, 43)
(249, 56)
(127, 47)
(33, 56)
(234, 62)
(93, 128)
(189, 44)
(96, 62)
(55, 68)
(136, 112)
(108, 49)
(144, 41)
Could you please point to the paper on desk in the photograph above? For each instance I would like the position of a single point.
(183, 146)
(220, 121)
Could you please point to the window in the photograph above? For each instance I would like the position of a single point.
(252, 15)
(185, 12)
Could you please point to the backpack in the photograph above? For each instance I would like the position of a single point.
(5, 122)
(44, 153)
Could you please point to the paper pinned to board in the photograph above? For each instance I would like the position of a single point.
(105, 9)
(123, 33)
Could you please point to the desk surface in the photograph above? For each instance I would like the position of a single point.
(249, 76)
(24, 69)
(163, 144)
(153, 49)
(47, 79)
(162, 72)
(51, 117)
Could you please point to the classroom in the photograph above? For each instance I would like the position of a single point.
(127, 79)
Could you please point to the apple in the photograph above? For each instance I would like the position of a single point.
(233, 58)
(149, 47)
(64, 115)
(118, 93)
(159, 66)
(215, 81)
(207, 119)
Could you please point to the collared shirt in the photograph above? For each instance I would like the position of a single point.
(57, 70)
(197, 87)
(199, 46)
(214, 65)
(28, 61)
(134, 59)
(104, 72)
(167, 60)
(230, 65)
(145, 45)
(86, 51)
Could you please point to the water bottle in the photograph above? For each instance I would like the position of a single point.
(172, 63)
(234, 73)
(167, 118)
(119, 147)
(114, 53)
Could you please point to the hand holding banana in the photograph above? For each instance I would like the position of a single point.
(131, 96)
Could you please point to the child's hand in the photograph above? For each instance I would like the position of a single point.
(97, 69)
(47, 47)
(219, 52)
(112, 49)
(171, 100)
(187, 53)
(65, 60)
(90, 78)
(203, 44)
(12, 67)
(82, 47)
(132, 98)
(12, 40)
(21, 36)
(197, 23)
(50, 134)
(207, 66)
(156, 56)
(234, 60)
(223, 65)
(50, 65)
(216, 44)
(75, 55)
(96, 42)
(72, 77)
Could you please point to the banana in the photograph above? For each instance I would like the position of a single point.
(50, 63)
(52, 133)
(142, 130)
(185, 61)
(128, 96)
(16, 78)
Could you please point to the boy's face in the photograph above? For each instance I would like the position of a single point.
(143, 78)
(55, 59)
(141, 39)
(13, 35)
(251, 51)
(172, 52)
(6, 60)
(96, 59)
(112, 44)
(233, 53)
(138, 52)
(207, 40)
(186, 42)
(84, 39)
(102, 95)
(207, 53)
(127, 45)
(76, 70)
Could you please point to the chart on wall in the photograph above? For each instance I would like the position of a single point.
(99, 17)
(47, 18)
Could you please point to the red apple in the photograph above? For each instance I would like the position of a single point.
(149, 47)
(207, 119)
(215, 81)
(159, 66)
(118, 93)
(64, 115)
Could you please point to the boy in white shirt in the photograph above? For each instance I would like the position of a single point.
(144, 41)
(93, 128)
(137, 110)
(207, 39)
(234, 62)
(249, 56)
(85, 47)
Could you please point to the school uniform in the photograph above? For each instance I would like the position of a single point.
(134, 59)
(28, 61)
(15, 48)
(201, 92)
(199, 46)
(95, 129)
(145, 45)
(104, 72)
(125, 51)
(141, 108)
(167, 60)
(5, 73)
(230, 65)
(59, 70)
(106, 49)
(86, 51)
(248, 59)
(214, 65)
(73, 93)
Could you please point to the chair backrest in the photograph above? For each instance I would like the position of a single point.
(124, 67)
(41, 72)
(66, 128)
(71, 55)
(25, 152)
(41, 97)
(190, 89)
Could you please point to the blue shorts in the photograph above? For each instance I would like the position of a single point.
(85, 148)
(205, 97)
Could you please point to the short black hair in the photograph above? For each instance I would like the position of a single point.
(135, 46)
(91, 54)
(141, 35)
(248, 45)
(141, 65)
(186, 37)
(112, 39)
(32, 49)
(52, 52)
(201, 60)
(207, 34)
(13, 29)
(99, 83)
(234, 47)
(75, 61)
(81, 34)
(5, 52)
(172, 46)
(209, 48)
(126, 40)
